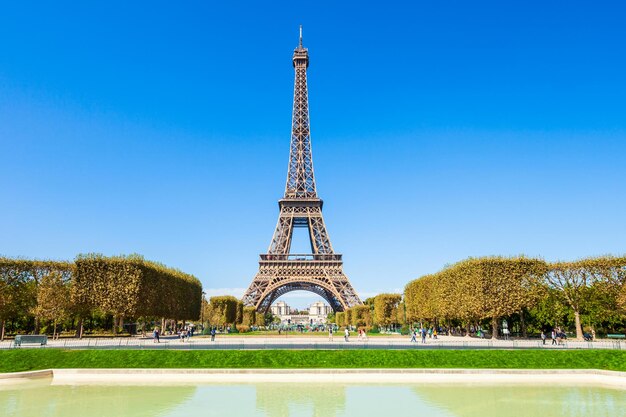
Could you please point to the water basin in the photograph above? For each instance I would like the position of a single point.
(41, 398)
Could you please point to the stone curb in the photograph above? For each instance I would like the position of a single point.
(324, 371)
(433, 376)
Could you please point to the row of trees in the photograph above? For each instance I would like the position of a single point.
(384, 311)
(122, 287)
(488, 289)
(226, 310)
(34, 289)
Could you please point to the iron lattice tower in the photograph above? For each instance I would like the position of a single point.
(321, 271)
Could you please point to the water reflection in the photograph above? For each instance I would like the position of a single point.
(524, 400)
(41, 399)
(282, 400)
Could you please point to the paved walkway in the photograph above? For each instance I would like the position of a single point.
(300, 342)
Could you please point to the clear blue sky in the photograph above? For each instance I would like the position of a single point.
(441, 130)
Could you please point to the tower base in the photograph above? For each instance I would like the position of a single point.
(320, 274)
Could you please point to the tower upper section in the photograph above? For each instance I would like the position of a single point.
(300, 54)
(300, 176)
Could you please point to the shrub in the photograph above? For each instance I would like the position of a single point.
(243, 328)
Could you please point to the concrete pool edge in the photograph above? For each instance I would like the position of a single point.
(434, 376)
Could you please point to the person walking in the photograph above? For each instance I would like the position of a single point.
(423, 335)
(330, 333)
(543, 337)
(435, 333)
(362, 335)
(346, 335)
(156, 335)
(213, 334)
(553, 336)
(414, 336)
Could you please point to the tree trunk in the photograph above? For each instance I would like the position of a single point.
(2, 331)
(54, 330)
(523, 324)
(79, 328)
(163, 326)
(36, 325)
(467, 330)
(579, 328)
(143, 327)
(121, 324)
(494, 328)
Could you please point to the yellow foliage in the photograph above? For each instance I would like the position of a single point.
(475, 288)
(360, 316)
(386, 309)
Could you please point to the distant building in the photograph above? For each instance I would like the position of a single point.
(317, 313)
(280, 309)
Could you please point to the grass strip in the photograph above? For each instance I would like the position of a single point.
(34, 359)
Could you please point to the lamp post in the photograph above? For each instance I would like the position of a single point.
(202, 310)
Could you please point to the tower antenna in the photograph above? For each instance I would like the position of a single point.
(300, 36)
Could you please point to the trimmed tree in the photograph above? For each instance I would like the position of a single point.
(386, 311)
(508, 285)
(53, 300)
(225, 309)
(249, 316)
(572, 280)
(340, 318)
(360, 316)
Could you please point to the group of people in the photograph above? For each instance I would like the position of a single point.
(362, 334)
(346, 334)
(557, 335)
(183, 334)
(423, 332)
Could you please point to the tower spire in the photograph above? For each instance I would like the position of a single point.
(300, 176)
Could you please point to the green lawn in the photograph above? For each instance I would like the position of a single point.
(32, 359)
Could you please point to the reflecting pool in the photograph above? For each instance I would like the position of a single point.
(43, 398)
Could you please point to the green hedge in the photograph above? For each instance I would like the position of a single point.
(130, 286)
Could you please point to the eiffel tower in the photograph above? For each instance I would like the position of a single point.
(321, 271)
